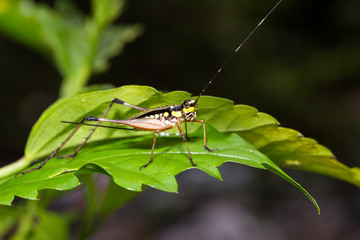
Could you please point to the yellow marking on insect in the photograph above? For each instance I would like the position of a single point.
(166, 114)
(152, 116)
(190, 109)
(176, 113)
(156, 116)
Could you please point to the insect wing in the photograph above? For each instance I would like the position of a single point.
(153, 111)
(148, 124)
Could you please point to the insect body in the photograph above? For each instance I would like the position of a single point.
(156, 119)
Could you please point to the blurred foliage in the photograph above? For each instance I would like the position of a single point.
(31, 220)
(78, 45)
(302, 66)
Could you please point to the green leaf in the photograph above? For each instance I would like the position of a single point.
(106, 11)
(286, 147)
(18, 22)
(111, 42)
(27, 187)
(121, 160)
(259, 129)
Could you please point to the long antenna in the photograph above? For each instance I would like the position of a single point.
(237, 49)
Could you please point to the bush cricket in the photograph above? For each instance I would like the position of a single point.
(157, 119)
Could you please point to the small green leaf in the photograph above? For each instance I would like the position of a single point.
(106, 11)
(111, 42)
(28, 186)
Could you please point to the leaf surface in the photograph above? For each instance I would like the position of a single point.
(120, 153)
(286, 147)
(121, 160)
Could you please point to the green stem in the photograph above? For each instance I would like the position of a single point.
(72, 85)
(14, 167)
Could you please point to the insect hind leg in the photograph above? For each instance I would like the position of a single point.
(89, 118)
(56, 150)
(116, 100)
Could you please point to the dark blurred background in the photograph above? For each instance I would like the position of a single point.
(302, 67)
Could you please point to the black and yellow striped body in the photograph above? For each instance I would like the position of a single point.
(171, 114)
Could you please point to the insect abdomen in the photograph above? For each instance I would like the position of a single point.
(149, 124)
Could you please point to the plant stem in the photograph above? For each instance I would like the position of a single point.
(14, 167)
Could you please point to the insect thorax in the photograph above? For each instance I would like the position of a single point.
(170, 114)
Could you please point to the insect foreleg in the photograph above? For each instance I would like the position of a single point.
(186, 133)
(204, 129)
(182, 134)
